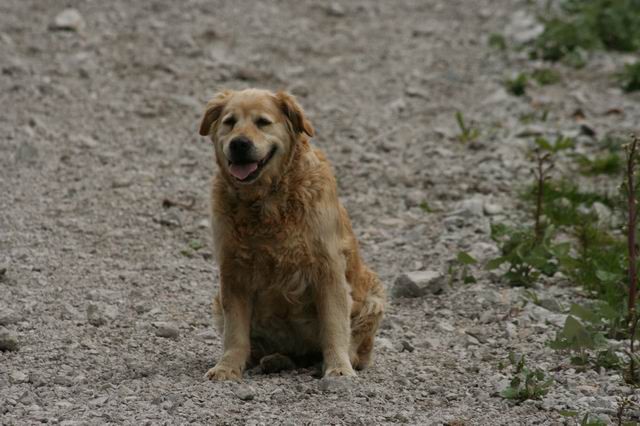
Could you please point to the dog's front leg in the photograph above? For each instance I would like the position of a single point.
(237, 308)
(333, 302)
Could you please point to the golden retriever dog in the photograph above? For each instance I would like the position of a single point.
(292, 282)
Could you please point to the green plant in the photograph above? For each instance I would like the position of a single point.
(630, 77)
(633, 375)
(460, 268)
(526, 383)
(517, 86)
(586, 420)
(526, 255)
(608, 164)
(529, 252)
(578, 339)
(587, 25)
(497, 41)
(426, 207)
(468, 133)
(546, 76)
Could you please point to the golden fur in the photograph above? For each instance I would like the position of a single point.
(292, 280)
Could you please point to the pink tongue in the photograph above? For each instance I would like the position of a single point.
(241, 171)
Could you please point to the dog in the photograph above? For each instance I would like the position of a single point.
(292, 282)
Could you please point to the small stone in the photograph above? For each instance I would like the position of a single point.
(384, 343)
(94, 315)
(473, 207)
(335, 9)
(445, 327)
(68, 20)
(244, 392)
(407, 346)
(207, 335)
(166, 330)
(510, 330)
(418, 283)
(550, 304)
(26, 153)
(335, 384)
(8, 341)
(18, 377)
(9, 316)
(492, 209)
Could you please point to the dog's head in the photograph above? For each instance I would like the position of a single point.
(254, 132)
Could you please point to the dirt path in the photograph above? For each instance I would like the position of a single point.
(99, 129)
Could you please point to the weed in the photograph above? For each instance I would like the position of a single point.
(426, 207)
(546, 76)
(633, 376)
(460, 268)
(518, 85)
(468, 133)
(526, 383)
(587, 25)
(195, 244)
(586, 420)
(630, 77)
(607, 164)
(497, 41)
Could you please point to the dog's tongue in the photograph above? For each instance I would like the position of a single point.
(241, 171)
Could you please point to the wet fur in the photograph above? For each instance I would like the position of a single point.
(292, 280)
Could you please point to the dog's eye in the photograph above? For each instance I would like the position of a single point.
(229, 121)
(262, 122)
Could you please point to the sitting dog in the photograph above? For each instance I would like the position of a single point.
(292, 282)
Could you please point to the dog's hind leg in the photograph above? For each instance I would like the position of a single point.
(364, 324)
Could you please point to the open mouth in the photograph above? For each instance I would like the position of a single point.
(247, 172)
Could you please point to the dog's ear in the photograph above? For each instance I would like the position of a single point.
(294, 113)
(213, 110)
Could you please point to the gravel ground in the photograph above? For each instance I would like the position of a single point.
(106, 273)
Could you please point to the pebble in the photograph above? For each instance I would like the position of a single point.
(492, 209)
(418, 283)
(26, 153)
(18, 377)
(68, 20)
(95, 316)
(167, 330)
(336, 384)
(9, 316)
(8, 340)
(244, 392)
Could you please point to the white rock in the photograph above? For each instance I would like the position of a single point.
(523, 27)
(492, 209)
(68, 20)
(167, 330)
(18, 377)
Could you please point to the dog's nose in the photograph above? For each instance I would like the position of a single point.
(240, 147)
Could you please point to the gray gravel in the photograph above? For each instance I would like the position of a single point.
(105, 288)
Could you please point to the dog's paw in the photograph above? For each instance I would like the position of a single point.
(345, 371)
(223, 372)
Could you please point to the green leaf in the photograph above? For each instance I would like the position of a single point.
(543, 144)
(583, 313)
(495, 263)
(568, 413)
(509, 393)
(466, 259)
(469, 279)
(607, 277)
(195, 245)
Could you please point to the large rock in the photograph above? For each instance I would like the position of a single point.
(419, 283)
